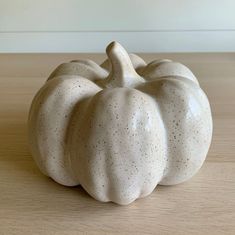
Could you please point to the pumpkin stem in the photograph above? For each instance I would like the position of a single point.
(122, 73)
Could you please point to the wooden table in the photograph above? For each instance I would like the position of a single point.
(31, 203)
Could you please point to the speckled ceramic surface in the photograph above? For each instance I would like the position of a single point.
(122, 127)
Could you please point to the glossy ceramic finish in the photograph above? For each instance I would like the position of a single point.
(120, 128)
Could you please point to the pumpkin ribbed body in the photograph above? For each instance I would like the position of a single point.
(121, 128)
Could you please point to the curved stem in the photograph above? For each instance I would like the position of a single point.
(120, 60)
(123, 72)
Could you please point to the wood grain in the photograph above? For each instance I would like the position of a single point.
(31, 203)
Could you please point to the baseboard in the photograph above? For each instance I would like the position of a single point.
(149, 42)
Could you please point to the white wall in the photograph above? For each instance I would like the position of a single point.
(141, 25)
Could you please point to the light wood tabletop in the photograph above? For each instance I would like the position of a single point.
(31, 203)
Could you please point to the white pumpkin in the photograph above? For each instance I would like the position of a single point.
(121, 128)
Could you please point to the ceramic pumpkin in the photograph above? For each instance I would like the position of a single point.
(120, 128)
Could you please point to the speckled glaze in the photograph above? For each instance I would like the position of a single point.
(122, 127)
